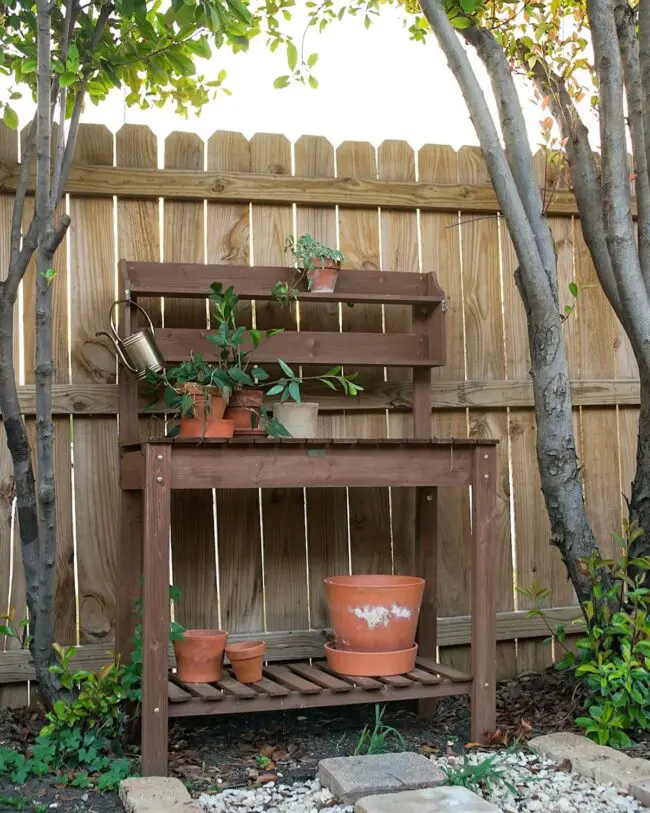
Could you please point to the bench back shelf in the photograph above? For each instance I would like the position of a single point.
(420, 349)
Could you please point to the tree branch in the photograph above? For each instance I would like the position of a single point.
(518, 152)
(616, 196)
(18, 209)
(626, 28)
(644, 60)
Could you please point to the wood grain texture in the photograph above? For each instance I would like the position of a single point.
(484, 343)
(599, 448)
(192, 530)
(347, 191)
(283, 519)
(399, 252)
(92, 286)
(369, 510)
(327, 531)
(238, 528)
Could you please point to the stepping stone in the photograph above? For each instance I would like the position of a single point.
(429, 800)
(156, 794)
(350, 778)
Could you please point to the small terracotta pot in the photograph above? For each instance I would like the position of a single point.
(210, 428)
(371, 664)
(374, 613)
(217, 405)
(247, 659)
(240, 406)
(323, 278)
(199, 655)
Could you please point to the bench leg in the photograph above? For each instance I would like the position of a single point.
(129, 569)
(483, 608)
(426, 542)
(155, 623)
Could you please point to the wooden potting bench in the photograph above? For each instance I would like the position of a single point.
(152, 468)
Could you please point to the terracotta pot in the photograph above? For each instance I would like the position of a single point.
(210, 428)
(240, 405)
(300, 420)
(371, 664)
(247, 659)
(217, 405)
(199, 656)
(323, 278)
(374, 613)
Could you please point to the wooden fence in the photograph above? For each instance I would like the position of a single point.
(251, 562)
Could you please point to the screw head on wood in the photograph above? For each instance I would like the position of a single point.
(157, 710)
(486, 685)
(159, 457)
(486, 476)
(159, 479)
(485, 457)
(429, 497)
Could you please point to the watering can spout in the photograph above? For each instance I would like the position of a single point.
(138, 352)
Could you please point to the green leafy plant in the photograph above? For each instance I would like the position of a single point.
(477, 776)
(377, 740)
(19, 631)
(613, 654)
(307, 255)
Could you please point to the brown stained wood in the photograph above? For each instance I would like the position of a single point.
(355, 349)
(599, 448)
(421, 676)
(426, 564)
(238, 527)
(369, 510)
(15, 666)
(231, 187)
(155, 621)
(327, 532)
(484, 652)
(455, 675)
(192, 533)
(320, 678)
(234, 687)
(397, 681)
(193, 280)
(287, 467)
(203, 690)
(175, 694)
(366, 683)
(294, 682)
(270, 687)
(484, 343)
(399, 245)
(92, 287)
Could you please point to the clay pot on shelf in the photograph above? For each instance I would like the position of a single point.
(370, 664)
(300, 420)
(322, 278)
(247, 660)
(239, 409)
(211, 427)
(373, 613)
(214, 409)
(199, 655)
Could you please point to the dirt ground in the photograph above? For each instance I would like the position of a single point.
(242, 750)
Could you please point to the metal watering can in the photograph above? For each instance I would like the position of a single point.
(138, 352)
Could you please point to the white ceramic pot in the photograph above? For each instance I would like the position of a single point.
(300, 420)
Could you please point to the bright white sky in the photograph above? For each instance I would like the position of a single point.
(374, 85)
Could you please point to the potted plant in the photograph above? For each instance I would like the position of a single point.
(249, 382)
(198, 393)
(374, 619)
(314, 262)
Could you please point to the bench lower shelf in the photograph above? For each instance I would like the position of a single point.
(304, 684)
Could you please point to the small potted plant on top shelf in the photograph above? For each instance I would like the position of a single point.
(314, 262)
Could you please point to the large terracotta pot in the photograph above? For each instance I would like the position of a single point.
(199, 655)
(247, 660)
(239, 408)
(374, 613)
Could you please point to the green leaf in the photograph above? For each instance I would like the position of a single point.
(276, 389)
(286, 369)
(282, 82)
(468, 6)
(10, 117)
(294, 391)
(313, 59)
(313, 82)
(573, 288)
(292, 55)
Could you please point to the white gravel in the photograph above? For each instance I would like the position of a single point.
(540, 788)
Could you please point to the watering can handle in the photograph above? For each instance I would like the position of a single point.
(128, 302)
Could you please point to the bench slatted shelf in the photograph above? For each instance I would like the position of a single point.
(151, 468)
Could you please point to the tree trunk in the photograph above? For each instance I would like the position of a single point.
(639, 504)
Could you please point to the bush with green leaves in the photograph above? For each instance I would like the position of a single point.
(307, 255)
(376, 740)
(478, 775)
(613, 655)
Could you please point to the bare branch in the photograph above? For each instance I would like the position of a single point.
(626, 27)
(518, 152)
(18, 209)
(644, 59)
(616, 196)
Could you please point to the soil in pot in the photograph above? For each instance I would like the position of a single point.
(373, 613)
(210, 428)
(240, 406)
(199, 655)
(300, 420)
(370, 664)
(247, 660)
(322, 279)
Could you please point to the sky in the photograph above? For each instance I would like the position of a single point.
(374, 85)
